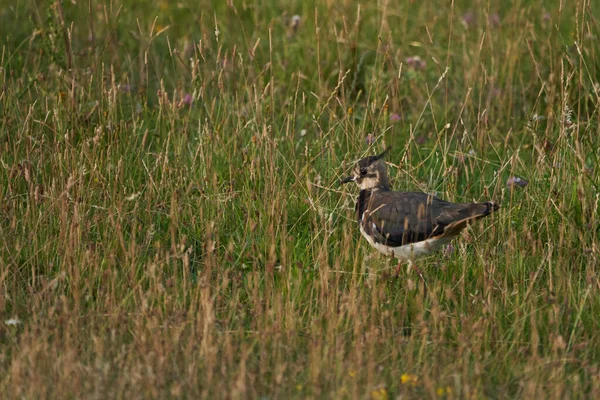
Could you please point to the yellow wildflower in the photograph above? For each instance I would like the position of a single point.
(379, 394)
(352, 373)
(408, 379)
(350, 110)
(443, 391)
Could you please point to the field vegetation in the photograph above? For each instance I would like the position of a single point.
(172, 224)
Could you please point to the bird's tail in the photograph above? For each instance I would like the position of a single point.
(486, 208)
(464, 214)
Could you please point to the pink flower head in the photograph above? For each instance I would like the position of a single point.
(415, 62)
(468, 19)
(495, 19)
(187, 99)
(395, 117)
(546, 16)
(448, 250)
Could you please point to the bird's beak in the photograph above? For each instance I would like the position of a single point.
(348, 179)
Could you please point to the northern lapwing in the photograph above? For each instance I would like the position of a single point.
(407, 225)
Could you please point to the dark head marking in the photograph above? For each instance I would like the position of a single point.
(365, 162)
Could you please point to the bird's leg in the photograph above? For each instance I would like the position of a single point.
(398, 268)
(412, 264)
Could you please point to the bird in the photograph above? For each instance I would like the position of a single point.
(407, 225)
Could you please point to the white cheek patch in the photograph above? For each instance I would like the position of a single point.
(369, 183)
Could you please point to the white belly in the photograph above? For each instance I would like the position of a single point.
(408, 252)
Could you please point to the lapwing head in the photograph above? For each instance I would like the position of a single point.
(370, 173)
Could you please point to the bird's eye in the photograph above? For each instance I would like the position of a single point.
(363, 171)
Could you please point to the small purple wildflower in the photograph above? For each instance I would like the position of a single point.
(546, 16)
(516, 181)
(448, 250)
(395, 117)
(494, 19)
(415, 62)
(468, 19)
(187, 99)
(126, 88)
(370, 139)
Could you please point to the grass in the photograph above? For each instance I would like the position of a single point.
(171, 223)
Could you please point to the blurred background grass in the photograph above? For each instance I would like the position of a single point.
(171, 223)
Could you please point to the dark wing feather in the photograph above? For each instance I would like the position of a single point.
(399, 218)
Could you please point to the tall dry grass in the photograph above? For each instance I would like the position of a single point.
(171, 223)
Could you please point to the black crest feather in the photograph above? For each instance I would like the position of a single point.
(365, 162)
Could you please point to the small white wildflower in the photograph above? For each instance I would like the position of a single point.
(133, 196)
(303, 132)
(150, 233)
(318, 179)
(12, 322)
(516, 181)
(295, 21)
(537, 117)
(567, 116)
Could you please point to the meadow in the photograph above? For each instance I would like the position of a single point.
(172, 224)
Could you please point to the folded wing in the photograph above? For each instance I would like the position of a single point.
(399, 218)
